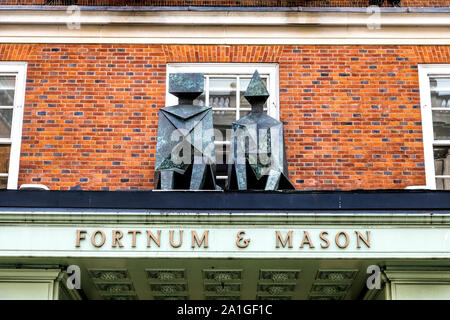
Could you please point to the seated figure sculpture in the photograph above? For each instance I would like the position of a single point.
(189, 163)
(257, 155)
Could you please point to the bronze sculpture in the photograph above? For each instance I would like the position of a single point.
(257, 155)
(189, 163)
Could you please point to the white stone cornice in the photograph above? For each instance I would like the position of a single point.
(227, 18)
(225, 27)
(75, 217)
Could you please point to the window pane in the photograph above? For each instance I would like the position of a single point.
(3, 182)
(222, 153)
(200, 101)
(440, 92)
(4, 157)
(442, 184)
(7, 84)
(441, 124)
(243, 113)
(442, 161)
(222, 93)
(222, 124)
(5, 122)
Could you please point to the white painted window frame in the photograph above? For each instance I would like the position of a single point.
(19, 69)
(236, 70)
(425, 72)
(231, 69)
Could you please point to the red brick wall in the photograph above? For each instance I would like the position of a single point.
(258, 3)
(351, 113)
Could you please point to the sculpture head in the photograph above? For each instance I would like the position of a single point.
(186, 86)
(256, 93)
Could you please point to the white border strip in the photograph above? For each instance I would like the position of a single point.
(241, 18)
(75, 217)
(191, 27)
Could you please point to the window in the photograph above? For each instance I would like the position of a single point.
(225, 84)
(435, 103)
(12, 92)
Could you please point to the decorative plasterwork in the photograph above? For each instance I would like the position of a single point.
(223, 284)
(277, 283)
(279, 275)
(115, 288)
(332, 284)
(168, 284)
(119, 297)
(336, 275)
(109, 275)
(165, 274)
(113, 284)
(169, 289)
(259, 297)
(222, 289)
(222, 275)
(313, 297)
(181, 297)
(329, 289)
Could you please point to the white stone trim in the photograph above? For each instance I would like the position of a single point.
(385, 242)
(208, 18)
(224, 27)
(408, 275)
(92, 217)
(392, 235)
(48, 277)
(412, 280)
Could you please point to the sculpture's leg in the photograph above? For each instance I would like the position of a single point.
(241, 176)
(273, 180)
(198, 176)
(167, 179)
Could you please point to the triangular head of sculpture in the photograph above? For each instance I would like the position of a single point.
(257, 154)
(185, 156)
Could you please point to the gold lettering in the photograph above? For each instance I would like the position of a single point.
(346, 239)
(134, 232)
(322, 236)
(360, 237)
(279, 239)
(306, 240)
(80, 236)
(117, 235)
(101, 242)
(240, 239)
(150, 235)
(199, 242)
(171, 239)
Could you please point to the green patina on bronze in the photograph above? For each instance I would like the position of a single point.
(184, 156)
(256, 93)
(186, 85)
(258, 157)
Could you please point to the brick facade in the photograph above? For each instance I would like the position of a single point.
(351, 113)
(229, 3)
